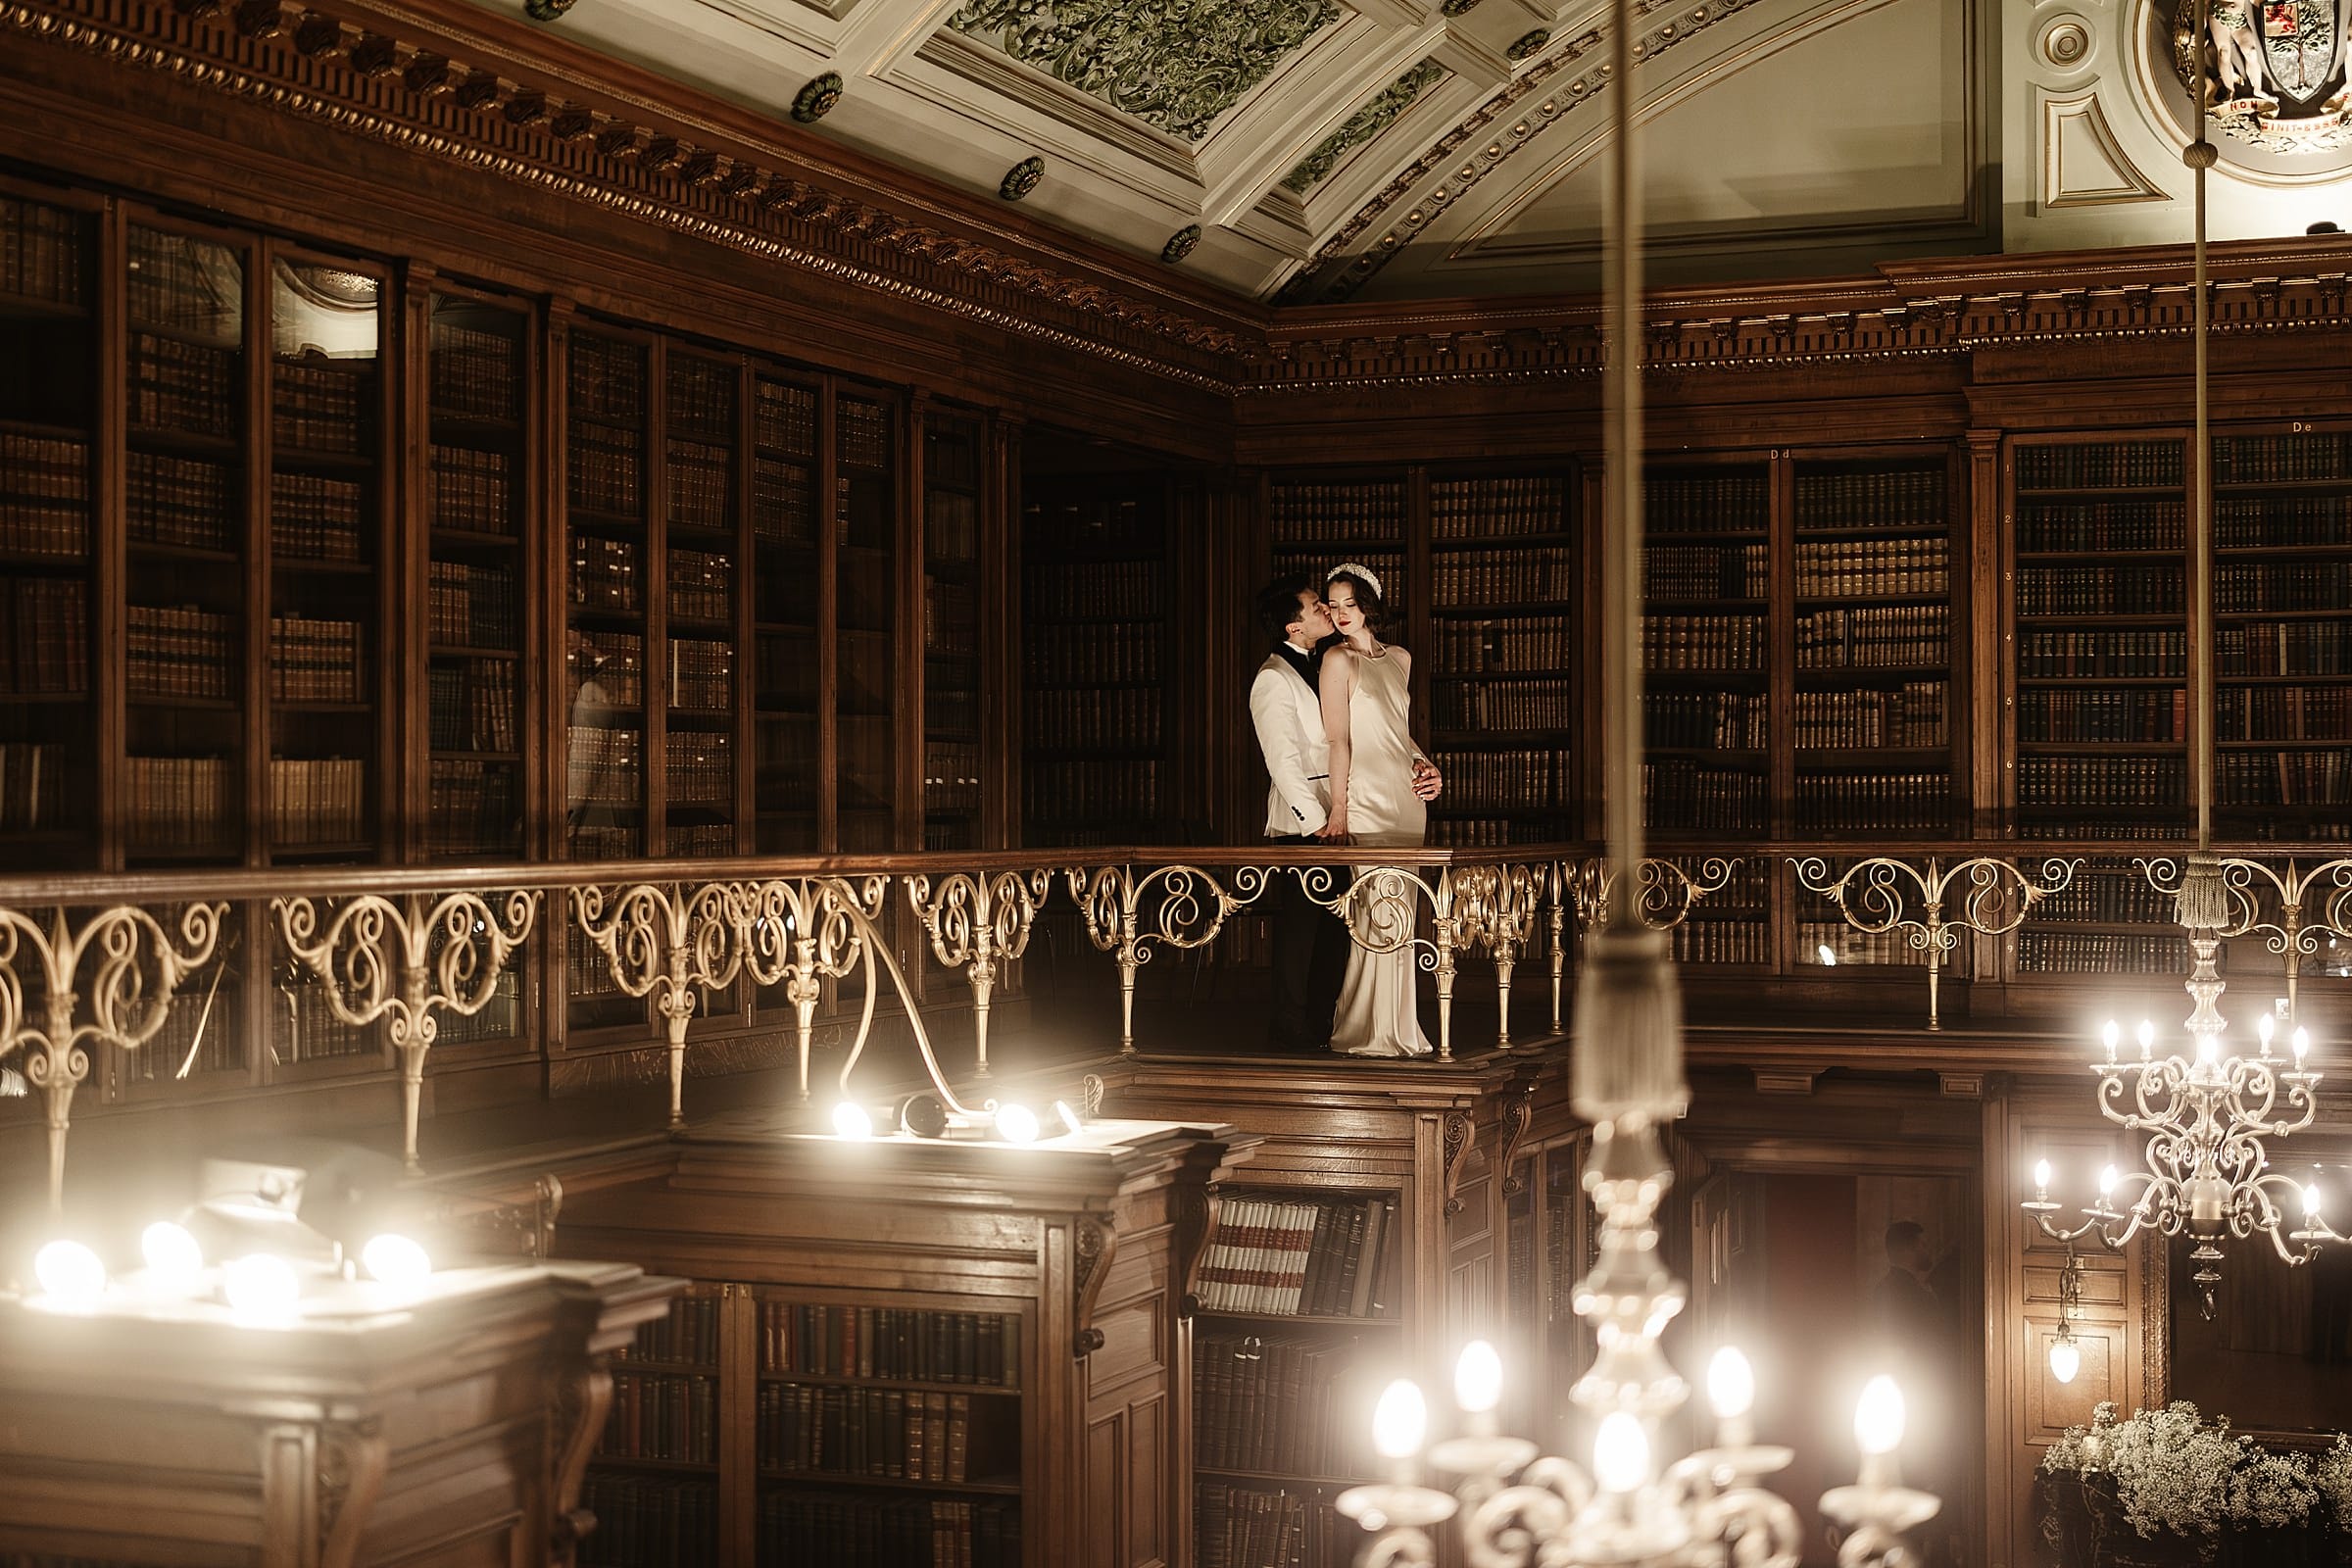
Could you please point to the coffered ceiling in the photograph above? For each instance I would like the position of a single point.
(1316, 151)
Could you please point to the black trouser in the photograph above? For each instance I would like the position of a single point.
(1310, 955)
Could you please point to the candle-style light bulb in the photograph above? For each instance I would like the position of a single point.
(2106, 1183)
(2148, 1038)
(2109, 1036)
(1620, 1453)
(2264, 1027)
(2209, 1053)
(1478, 1378)
(2041, 1176)
(2311, 1200)
(1879, 1430)
(2301, 1042)
(1732, 1392)
(1398, 1421)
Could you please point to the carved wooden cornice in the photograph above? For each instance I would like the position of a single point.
(1912, 312)
(427, 79)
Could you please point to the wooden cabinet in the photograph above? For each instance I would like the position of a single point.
(1400, 1170)
(448, 1430)
(901, 1346)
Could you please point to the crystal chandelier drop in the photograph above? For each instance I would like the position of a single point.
(1515, 1509)
(2206, 1173)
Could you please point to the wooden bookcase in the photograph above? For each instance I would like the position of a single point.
(1098, 676)
(864, 642)
(898, 1349)
(481, 577)
(51, 434)
(952, 654)
(2099, 611)
(1282, 1395)
(1706, 650)
(786, 727)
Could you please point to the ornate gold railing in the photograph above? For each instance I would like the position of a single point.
(89, 964)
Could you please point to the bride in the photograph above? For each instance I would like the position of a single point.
(1381, 785)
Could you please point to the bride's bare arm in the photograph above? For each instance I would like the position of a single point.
(1335, 685)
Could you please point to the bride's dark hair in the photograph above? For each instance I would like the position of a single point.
(1368, 602)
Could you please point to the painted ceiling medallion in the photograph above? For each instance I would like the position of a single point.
(2276, 74)
(1021, 178)
(815, 100)
(546, 10)
(1528, 43)
(1173, 64)
(1180, 244)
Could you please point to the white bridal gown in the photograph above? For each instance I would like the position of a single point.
(1375, 1016)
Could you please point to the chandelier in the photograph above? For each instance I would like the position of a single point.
(2206, 1172)
(1510, 1507)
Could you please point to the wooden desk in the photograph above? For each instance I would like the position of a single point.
(450, 1427)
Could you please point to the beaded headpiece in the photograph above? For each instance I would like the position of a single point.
(1362, 573)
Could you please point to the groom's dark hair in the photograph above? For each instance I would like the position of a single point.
(1278, 603)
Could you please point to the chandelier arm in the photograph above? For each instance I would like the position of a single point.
(1510, 1528)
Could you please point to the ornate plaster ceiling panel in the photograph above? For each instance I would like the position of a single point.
(1749, 167)
(1175, 65)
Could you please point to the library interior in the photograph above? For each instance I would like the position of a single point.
(1245, 784)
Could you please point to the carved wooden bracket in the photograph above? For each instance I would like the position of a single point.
(1458, 1137)
(1196, 1211)
(1092, 1243)
(1518, 1113)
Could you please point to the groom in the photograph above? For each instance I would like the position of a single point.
(1311, 944)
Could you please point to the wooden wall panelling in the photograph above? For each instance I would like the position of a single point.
(2028, 1408)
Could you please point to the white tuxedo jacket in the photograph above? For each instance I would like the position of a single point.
(1289, 715)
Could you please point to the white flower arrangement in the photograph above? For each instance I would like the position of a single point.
(2172, 1472)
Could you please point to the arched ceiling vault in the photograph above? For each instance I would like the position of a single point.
(1319, 151)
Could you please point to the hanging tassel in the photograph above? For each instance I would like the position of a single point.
(2203, 902)
(1628, 1059)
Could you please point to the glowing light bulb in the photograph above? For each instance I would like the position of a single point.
(2106, 1182)
(1827, 956)
(1069, 1117)
(2066, 1359)
(1730, 1384)
(260, 1285)
(396, 1260)
(2041, 1175)
(2311, 1200)
(1620, 1453)
(1398, 1420)
(70, 1274)
(1478, 1378)
(2148, 1038)
(2265, 1027)
(2301, 1042)
(173, 1259)
(2110, 1035)
(1016, 1124)
(1879, 1416)
(2209, 1053)
(851, 1120)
